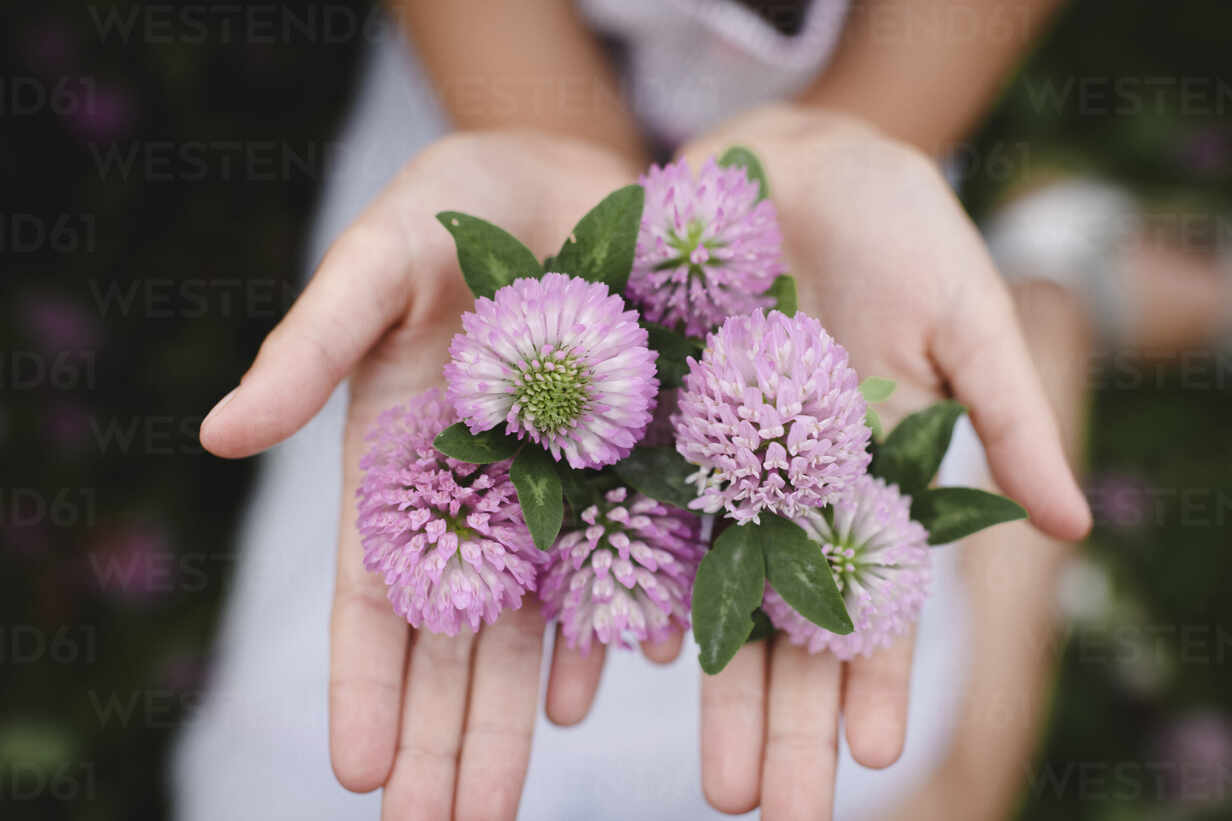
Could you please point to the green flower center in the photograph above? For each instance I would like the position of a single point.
(685, 244)
(844, 554)
(552, 391)
(844, 563)
(457, 524)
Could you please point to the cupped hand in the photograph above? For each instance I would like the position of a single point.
(885, 257)
(443, 724)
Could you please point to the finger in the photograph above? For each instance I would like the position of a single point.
(572, 681)
(421, 786)
(665, 650)
(801, 736)
(359, 290)
(501, 717)
(367, 650)
(982, 352)
(733, 731)
(875, 699)
(368, 646)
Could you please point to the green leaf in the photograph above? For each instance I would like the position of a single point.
(876, 389)
(873, 420)
(951, 513)
(658, 472)
(584, 488)
(601, 247)
(729, 585)
(798, 571)
(579, 493)
(762, 627)
(490, 257)
(744, 157)
(912, 452)
(783, 290)
(539, 492)
(478, 448)
(874, 445)
(674, 351)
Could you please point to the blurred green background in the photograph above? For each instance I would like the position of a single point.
(122, 324)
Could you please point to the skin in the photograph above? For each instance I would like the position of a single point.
(929, 311)
(1007, 696)
(444, 724)
(508, 64)
(381, 311)
(925, 73)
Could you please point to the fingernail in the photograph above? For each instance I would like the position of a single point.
(222, 403)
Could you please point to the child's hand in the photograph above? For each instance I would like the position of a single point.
(444, 724)
(886, 259)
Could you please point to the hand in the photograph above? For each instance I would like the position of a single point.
(886, 259)
(443, 724)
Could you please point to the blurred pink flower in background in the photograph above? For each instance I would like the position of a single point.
(1121, 500)
(1208, 150)
(57, 324)
(49, 47)
(183, 670)
(29, 539)
(135, 562)
(101, 112)
(67, 426)
(1194, 755)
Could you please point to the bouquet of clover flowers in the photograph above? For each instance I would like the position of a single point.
(644, 432)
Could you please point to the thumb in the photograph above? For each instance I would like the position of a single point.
(360, 289)
(981, 352)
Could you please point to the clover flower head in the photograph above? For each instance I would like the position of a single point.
(447, 536)
(558, 360)
(881, 563)
(627, 575)
(708, 248)
(773, 417)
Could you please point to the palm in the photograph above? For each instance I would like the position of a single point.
(876, 252)
(885, 258)
(443, 724)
